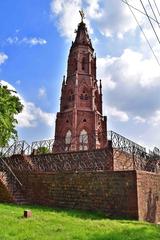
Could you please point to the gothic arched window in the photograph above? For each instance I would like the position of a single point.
(84, 95)
(68, 139)
(83, 140)
(70, 96)
(83, 63)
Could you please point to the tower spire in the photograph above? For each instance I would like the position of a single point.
(82, 37)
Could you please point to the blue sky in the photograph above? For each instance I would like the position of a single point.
(35, 38)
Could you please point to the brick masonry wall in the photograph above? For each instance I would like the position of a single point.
(21, 162)
(125, 161)
(4, 193)
(94, 160)
(148, 186)
(114, 193)
(100, 159)
(122, 161)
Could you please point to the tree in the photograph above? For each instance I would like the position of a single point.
(42, 150)
(10, 106)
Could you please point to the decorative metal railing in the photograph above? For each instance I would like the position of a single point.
(18, 147)
(85, 142)
(122, 143)
(44, 146)
(76, 143)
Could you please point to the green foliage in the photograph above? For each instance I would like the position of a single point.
(42, 150)
(48, 224)
(10, 106)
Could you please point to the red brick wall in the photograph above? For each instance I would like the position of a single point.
(148, 187)
(125, 161)
(100, 159)
(95, 160)
(4, 193)
(122, 160)
(114, 193)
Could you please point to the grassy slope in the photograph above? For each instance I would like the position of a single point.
(47, 224)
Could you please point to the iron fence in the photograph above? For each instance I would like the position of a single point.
(18, 147)
(124, 144)
(78, 143)
(43, 146)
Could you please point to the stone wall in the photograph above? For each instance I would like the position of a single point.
(114, 193)
(148, 188)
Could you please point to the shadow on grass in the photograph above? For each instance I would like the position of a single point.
(84, 215)
(69, 212)
(143, 233)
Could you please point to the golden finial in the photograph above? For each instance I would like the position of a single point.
(82, 14)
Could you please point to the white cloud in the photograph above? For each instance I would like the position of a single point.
(68, 17)
(129, 68)
(131, 83)
(100, 12)
(116, 113)
(93, 10)
(32, 41)
(31, 115)
(155, 119)
(3, 57)
(102, 66)
(115, 19)
(139, 119)
(12, 40)
(41, 92)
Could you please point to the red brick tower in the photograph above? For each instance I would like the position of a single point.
(80, 124)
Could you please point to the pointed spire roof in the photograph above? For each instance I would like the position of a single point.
(82, 37)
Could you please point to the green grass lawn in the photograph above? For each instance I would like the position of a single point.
(47, 224)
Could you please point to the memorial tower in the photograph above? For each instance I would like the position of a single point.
(80, 124)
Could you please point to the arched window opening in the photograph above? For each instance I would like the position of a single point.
(83, 140)
(70, 96)
(84, 95)
(68, 139)
(81, 96)
(83, 63)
